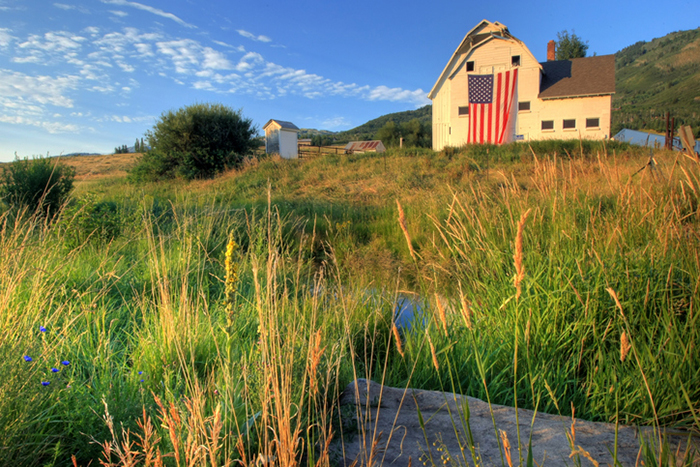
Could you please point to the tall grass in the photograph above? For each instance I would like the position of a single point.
(181, 354)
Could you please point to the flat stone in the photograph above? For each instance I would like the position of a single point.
(384, 428)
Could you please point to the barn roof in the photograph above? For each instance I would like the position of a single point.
(578, 77)
(282, 124)
(480, 34)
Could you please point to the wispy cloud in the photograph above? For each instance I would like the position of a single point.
(5, 37)
(50, 127)
(16, 88)
(150, 9)
(335, 122)
(384, 93)
(65, 6)
(250, 35)
(119, 13)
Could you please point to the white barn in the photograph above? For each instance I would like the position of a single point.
(281, 138)
(514, 97)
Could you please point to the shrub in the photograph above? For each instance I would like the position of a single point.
(39, 185)
(197, 141)
(90, 220)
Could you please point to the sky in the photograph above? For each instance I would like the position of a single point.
(91, 75)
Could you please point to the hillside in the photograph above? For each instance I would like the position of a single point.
(369, 130)
(655, 77)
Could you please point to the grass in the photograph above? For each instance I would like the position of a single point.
(532, 264)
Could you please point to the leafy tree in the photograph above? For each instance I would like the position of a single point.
(389, 134)
(137, 148)
(39, 185)
(570, 46)
(321, 140)
(197, 141)
(414, 132)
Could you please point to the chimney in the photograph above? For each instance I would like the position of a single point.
(551, 51)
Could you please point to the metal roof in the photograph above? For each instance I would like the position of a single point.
(282, 124)
(365, 146)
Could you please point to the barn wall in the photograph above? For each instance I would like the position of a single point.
(451, 129)
(556, 110)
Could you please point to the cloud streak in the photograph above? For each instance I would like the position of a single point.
(155, 11)
(250, 35)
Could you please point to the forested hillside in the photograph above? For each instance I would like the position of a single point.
(656, 77)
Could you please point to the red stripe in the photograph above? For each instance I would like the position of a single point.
(509, 102)
(480, 131)
(472, 123)
(498, 108)
(506, 96)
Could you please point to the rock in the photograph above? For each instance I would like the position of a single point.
(385, 427)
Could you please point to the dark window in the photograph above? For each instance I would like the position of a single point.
(547, 124)
(569, 124)
(524, 105)
(592, 123)
(470, 66)
(515, 60)
(463, 111)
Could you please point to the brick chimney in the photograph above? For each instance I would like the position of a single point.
(551, 51)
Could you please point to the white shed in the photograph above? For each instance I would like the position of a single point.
(281, 138)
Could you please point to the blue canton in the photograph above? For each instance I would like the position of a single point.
(480, 89)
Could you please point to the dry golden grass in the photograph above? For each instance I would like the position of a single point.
(99, 167)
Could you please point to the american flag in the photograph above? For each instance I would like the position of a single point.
(492, 107)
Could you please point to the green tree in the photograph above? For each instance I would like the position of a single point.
(197, 141)
(137, 148)
(415, 134)
(570, 46)
(389, 134)
(39, 185)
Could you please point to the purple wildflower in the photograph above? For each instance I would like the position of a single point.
(27, 358)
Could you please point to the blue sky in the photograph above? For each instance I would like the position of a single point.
(89, 75)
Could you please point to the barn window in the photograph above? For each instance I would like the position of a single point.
(515, 60)
(463, 111)
(547, 124)
(592, 123)
(569, 124)
(524, 106)
(470, 66)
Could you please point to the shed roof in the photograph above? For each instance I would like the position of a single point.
(282, 124)
(588, 76)
(365, 146)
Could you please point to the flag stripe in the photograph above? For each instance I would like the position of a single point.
(491, 107)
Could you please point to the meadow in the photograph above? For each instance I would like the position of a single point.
(215, 322)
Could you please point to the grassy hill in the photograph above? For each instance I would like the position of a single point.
(655, 77)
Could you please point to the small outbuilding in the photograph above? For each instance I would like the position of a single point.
(365, 146)
(281, 138)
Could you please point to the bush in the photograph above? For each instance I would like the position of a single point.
(39, 185)
(90, 220)
(197, 141)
